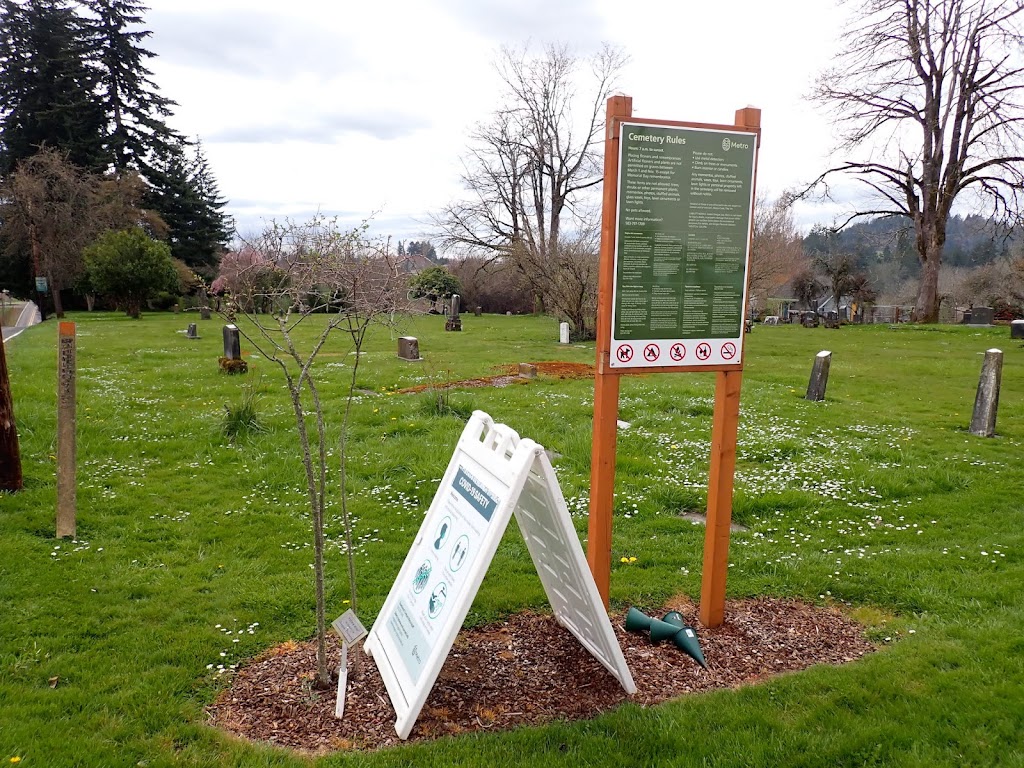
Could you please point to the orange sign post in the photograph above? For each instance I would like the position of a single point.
(672, 292)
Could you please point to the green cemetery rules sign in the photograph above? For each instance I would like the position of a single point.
(685, 199)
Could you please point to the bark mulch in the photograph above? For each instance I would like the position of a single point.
(528, 670)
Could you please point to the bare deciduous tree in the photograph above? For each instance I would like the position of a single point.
(317, 270)
(532, 164)
(777, 252)
(925, 94)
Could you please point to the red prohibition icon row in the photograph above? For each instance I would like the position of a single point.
(677, 352)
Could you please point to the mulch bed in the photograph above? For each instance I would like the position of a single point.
(528, 670)
(510, 375)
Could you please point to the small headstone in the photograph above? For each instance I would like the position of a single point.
(232, 343)
(191, 332)
(527, 371)
(965, 317)
(771, 320)
(454, 323)
(176, 309)
(809, 320)
(947, 312)
(986, 402)
(563, 333)
(509, 313)
(832, 320)
(1017, 329)
(204, 312)
(981, 315)
(819, 376)
(478, 311)
(409, 348)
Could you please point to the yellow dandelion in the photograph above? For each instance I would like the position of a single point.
(346, 602)
(623, 559)
(15, 759)
(632, 559)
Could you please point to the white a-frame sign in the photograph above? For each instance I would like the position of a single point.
(493, 474)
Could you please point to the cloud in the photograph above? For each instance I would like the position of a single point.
(515, 21)
(250, 44)
(321, 129)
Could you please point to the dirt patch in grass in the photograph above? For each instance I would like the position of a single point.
(510, 375)
(529, 670)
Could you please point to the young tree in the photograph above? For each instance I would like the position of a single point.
(47, 86)
(436, 284)
(316, 263)
(533, 163)
(926, 91)
(129, 267)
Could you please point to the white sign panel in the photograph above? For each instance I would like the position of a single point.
(492, 474)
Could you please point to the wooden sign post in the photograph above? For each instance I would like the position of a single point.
(66, 430)
(672, 291)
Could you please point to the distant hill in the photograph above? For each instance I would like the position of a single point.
(970, 241)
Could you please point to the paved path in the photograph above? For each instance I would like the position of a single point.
(29, 316)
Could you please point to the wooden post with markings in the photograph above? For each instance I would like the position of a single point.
(66, 474)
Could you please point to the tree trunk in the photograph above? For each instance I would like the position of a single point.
(926, 308)
(58, 305)
(10, 455)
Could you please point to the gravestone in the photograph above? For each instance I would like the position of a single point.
(477, 311)
(986, 402)
(191, 332)
(409, 348)
(563, 333)
(832, 319)
(947, 311)
(981, 316)
(1017, 329)
(819, 376)
(771, 320)
(527, 371)
(232, 343)
(809, 320)
(204, 305)
(454, 323)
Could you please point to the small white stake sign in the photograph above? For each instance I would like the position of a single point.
(349, 627)
(492, 475)
(339, 705)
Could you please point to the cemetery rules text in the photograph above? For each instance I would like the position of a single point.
(685, 198)
(445, 558)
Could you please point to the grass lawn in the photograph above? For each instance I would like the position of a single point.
(193, 551)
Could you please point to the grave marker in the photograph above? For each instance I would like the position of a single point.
(409, 348)
(819, 376)
(1017, 329)
(563, 333)
(493, 474)
(232, 343)
(986, 402)
(191, 332)
(66, 452)
(454, 323)
(981, 316)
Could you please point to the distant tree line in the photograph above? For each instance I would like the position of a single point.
(84, 136)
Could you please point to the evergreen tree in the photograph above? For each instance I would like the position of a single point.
(47, 86)
(134, 110)
(186, 197)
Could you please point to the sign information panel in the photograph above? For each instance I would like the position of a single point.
(685, 198)
(492, 475)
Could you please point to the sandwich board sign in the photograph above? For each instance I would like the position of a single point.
(493, 474)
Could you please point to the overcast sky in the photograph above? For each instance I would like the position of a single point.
(360, 108)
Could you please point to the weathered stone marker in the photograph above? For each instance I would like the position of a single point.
(232, 343)
(563, 333)
(409, 348)
(66, 491)
(1017, 329)
(191, 332)
(819, 376)
(981, 315)
(478, 310)
(527, 371)
(454, 323)
(986, 402)
(204, 305)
